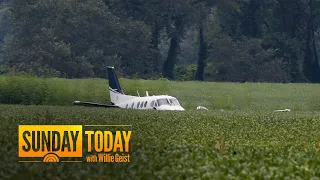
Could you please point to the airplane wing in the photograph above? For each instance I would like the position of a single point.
(90, 104)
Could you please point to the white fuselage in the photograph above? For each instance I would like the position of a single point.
(161, 102)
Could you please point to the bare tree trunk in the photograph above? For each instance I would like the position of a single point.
(202, 56)
(169, 64)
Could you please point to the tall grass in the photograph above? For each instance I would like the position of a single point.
(226, 96)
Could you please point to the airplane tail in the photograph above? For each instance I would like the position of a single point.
(115, 90)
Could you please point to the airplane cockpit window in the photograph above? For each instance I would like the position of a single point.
(145, 104)
(141, 106)
(132, 105)
(174, 102)
(138, 104)
(163, 102)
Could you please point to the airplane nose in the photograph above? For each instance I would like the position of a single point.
(177, 109)
(180, 109)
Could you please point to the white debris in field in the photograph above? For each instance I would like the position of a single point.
(202, 108)
(283, 110)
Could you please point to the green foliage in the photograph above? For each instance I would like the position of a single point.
(240, 40)
(185, 73)
(245, 60)
(287, 49)
(5, 22)
(177, 145)
(73, 38)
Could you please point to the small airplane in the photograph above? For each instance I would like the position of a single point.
(121, 100)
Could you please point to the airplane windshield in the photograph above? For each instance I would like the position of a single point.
(163, 102)
(171, 101)
(174, 102)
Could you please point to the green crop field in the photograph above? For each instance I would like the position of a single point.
(240, 137)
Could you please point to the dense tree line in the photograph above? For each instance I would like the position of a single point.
(214, 40)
